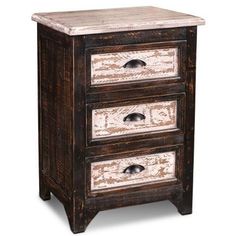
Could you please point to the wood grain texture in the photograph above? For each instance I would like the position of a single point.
(55, 113)
(139, 90)
(109, 174)
(60, 158)
(128, 38)
(184, 202)
(108, 122)
(114, 20)
(109, 67)
(135, 197)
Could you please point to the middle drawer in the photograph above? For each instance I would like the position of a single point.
(135, 117)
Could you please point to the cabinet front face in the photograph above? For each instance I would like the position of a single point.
(132, 170)
(133, 118)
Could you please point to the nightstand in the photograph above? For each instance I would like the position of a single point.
(116, 94)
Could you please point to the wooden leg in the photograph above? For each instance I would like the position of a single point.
(76, 223)
(44, 193)
(90, 215)
(78, 217)
(183, 203)
(185, 210)
(185, 206)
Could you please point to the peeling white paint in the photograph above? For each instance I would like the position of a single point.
(108, 68)
(159, 167)
(108, 122)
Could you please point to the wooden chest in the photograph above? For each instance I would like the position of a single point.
(116, 93)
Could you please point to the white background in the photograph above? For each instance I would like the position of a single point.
(21, 210)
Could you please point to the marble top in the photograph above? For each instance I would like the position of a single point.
(114, 20)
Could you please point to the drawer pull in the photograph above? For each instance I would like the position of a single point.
(134, 169)
(134, 117)
(136, 63)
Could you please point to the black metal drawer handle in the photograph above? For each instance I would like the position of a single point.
(134, 117)
(135, 63)
(134, 169)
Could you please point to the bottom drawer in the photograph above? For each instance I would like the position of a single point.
(134, 170)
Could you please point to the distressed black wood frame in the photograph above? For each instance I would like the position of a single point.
(62, 98)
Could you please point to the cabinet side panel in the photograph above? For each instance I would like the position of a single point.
(186, 207)
(55, 110)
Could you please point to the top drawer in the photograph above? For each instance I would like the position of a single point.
(137, 63)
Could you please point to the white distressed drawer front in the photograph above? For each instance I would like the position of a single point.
(159, 167)
(109, 122)
(109, 67)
